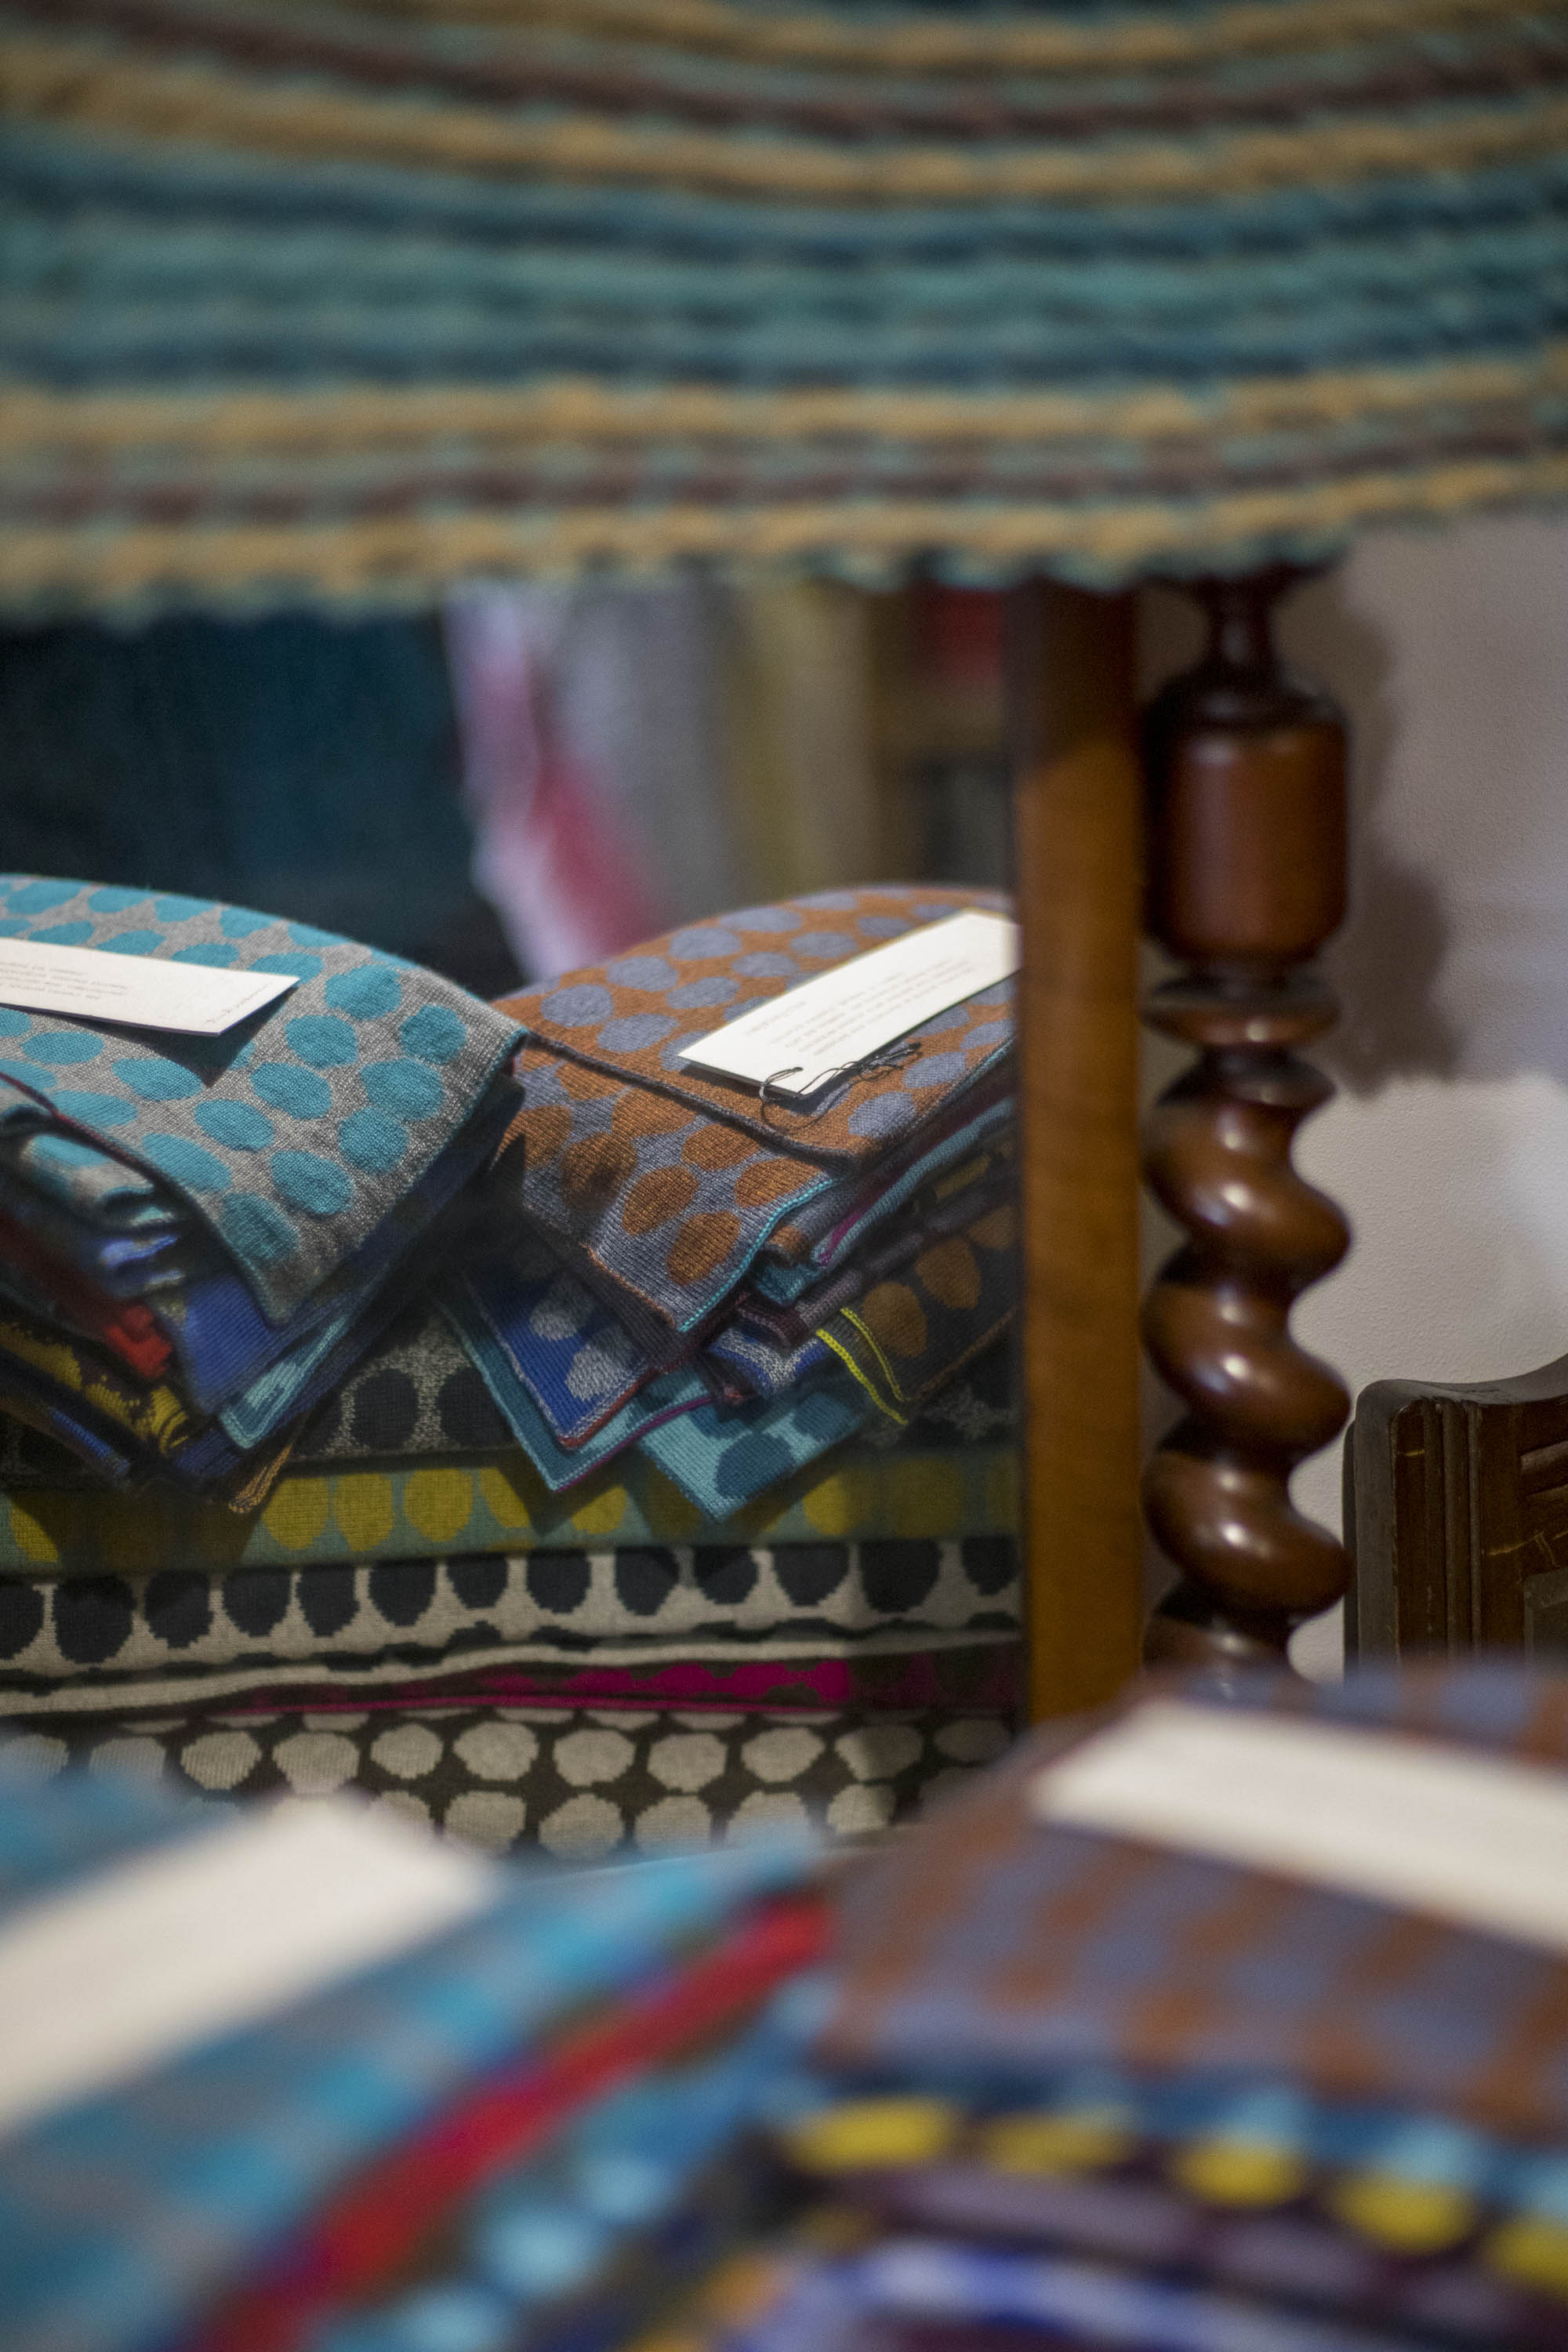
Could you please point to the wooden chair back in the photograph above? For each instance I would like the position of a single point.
(1456, 1516)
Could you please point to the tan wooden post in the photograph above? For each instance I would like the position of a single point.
(1077, 846)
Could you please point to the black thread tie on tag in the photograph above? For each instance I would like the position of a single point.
(886, 1058)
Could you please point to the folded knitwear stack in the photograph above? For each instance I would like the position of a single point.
(1073, 2064)
(729, 1284)
(199, 1236)
(666, 1483)
(319, 2031)
(1135, 2044)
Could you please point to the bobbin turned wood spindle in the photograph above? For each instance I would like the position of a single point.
(1245, 772)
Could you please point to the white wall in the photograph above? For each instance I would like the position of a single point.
(1448, 1143)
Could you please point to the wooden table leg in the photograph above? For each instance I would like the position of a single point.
(1077, 828)
(1246, 770)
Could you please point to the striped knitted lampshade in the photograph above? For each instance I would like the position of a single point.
(347, 300)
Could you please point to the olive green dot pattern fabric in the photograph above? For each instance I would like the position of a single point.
(436, 1508)
(291, 1138)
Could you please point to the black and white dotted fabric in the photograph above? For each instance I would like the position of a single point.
(109, 1642)
(418, 1392)
(579, 1782)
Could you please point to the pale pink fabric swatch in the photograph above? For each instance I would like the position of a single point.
(555, 857)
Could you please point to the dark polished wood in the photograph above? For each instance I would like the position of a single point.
(1077, 826)
(1245, 773)
(1457, 1508)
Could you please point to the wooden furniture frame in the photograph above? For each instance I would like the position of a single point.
(1240, 771)
(1457, 1508)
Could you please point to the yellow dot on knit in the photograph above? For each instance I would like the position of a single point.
(181, 1531)
(362, 1506)
(298, 1512)
(438, 1502)
(1000, 1504)
(670, 1514)
(1074, 2139)
(602, 1514)
(1240, 2172)
(870, 2133)
(513, 1497)
(835, 1504)
(925, 1498)
(1413, 2217)
(1534, 2252)
(137, 1541)
(29, 1535)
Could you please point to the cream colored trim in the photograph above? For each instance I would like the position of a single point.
(109, 91)
(920, 40)
(389, 556)
(361, 419)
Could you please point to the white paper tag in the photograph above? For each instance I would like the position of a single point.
(1479, 1840)
(171, 1948)
(802, 1038)
(141, 991)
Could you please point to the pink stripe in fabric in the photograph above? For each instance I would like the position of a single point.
(775, 1683)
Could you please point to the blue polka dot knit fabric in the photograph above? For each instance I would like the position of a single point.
(291, 1138)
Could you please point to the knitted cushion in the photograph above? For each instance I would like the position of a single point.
(438, 1505)
(291, 1140)
(959, 1957)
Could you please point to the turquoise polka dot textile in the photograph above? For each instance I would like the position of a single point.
(721, 1456)
(292, 1138)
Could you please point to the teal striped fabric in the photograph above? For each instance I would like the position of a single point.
(349, 305)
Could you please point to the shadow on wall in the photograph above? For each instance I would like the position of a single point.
(1448, 650)
(1386, 962)
(1385, 965)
